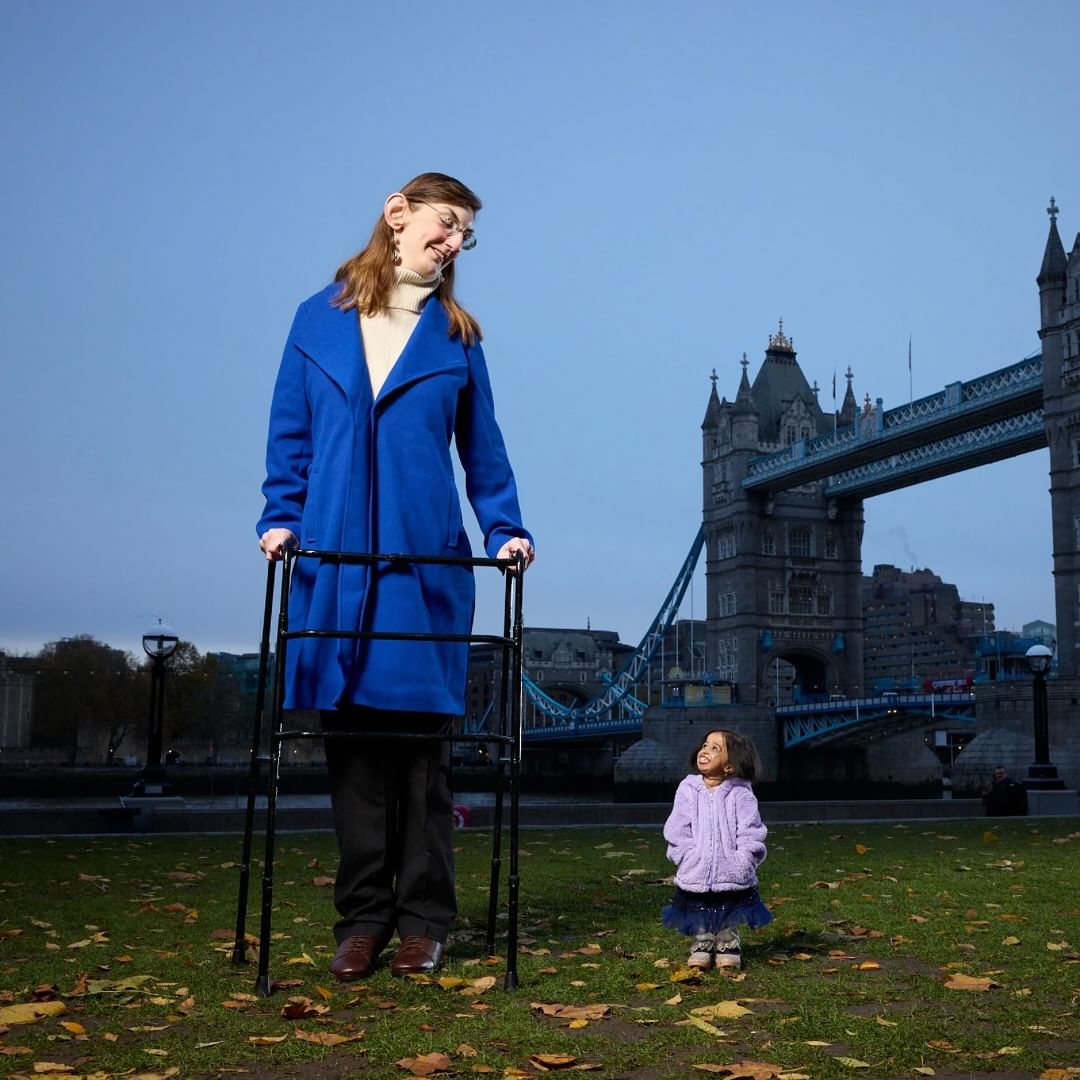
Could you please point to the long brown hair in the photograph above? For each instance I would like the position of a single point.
(367, 279)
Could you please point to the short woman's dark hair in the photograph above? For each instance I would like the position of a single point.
(742, 753)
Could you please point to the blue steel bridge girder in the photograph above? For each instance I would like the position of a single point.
(854, 722)
(617, 710)
(974, 408)
(965, 450)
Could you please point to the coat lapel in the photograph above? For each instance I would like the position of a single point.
(331, 338)
(429, 351)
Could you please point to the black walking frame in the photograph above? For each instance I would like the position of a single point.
(506, 735)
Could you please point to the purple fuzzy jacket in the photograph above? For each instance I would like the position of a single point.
(715, 835)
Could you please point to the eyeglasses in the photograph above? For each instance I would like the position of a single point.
(452, 225)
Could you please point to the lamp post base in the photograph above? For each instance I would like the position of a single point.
(1043, 777)
(152, 783)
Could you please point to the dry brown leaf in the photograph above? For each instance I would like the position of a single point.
(11, 1050)
(426, 1064)
(866, 965)
(266, 1040)
(478, 986)
(572, 1012)
(52, 1067)
(303, 958)
(743, 1070)
(302, 1008)
(323, 882)
(465, 1050)
(970, 982)
(824, 885)
(325, 1038)
(547, 1062)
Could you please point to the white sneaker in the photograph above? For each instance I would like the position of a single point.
(701, 954)
(728, 949)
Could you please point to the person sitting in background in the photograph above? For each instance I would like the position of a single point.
(1005, 797)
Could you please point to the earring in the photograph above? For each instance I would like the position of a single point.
(397, 250)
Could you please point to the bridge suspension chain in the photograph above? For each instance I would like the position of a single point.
(617, 695)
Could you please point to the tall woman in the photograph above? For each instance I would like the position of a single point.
(382, 371)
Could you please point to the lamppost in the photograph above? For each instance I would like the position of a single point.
(159, 643)
(1041, 774)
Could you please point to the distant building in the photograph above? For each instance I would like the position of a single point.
(568, 664)
(16, 700)
(1040, 631)
(916, 627)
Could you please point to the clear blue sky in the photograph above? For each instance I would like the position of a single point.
(662, 182)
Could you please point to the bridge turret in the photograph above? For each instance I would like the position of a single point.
(711, 423)
(744, 422)
(850, 408)
(1053, 275)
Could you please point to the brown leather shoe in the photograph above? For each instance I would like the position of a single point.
(356, 957)
(417, 956)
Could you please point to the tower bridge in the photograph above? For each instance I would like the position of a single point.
(784, 484)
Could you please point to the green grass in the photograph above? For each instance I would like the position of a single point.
(869, 922)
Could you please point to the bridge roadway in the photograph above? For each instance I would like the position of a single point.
(811, 724)
(989, 418)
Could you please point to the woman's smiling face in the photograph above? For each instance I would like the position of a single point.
(429, 235)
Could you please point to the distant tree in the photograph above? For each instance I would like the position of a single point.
(84, 690)
(202, 701)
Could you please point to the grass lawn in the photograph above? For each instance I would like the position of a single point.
(896, 950)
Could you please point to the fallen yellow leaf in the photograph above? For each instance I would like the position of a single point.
(31, 1012)
(722, 1010)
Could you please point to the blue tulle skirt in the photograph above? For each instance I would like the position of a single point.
(706, 913)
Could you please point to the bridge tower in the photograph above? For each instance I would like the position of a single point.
(783, 571)
(1059, 304)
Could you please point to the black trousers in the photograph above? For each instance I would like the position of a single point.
(393, 814)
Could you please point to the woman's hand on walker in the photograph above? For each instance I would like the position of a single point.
(275, 541)
(512, 548)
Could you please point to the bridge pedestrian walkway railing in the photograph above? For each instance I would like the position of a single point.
(1016, 382)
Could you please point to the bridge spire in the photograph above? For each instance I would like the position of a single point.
(1053, 273)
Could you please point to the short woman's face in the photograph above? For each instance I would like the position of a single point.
(712, 755)
(430, 235)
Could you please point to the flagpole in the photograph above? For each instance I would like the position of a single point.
(911, 396)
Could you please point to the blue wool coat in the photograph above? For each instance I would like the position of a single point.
(347, 472)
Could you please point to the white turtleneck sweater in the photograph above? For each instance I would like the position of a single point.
(384, 335)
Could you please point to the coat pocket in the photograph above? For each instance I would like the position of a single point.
(454, 524)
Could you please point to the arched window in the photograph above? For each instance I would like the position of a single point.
(799, 542)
